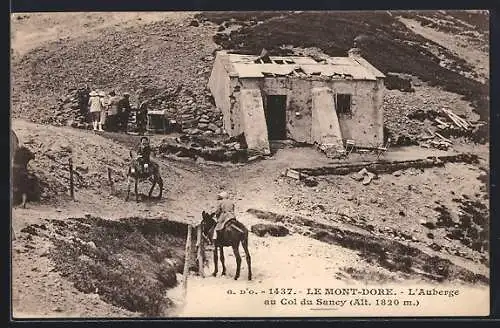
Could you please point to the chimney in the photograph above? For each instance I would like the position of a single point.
(264, 57)
(354, 52)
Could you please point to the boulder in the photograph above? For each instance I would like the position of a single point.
(212, 127)
(274, 230)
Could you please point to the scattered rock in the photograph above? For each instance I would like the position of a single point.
(435, 247)
(274, 230)
(363, 175)
(319, 206)
(310, 182)
(58, 309)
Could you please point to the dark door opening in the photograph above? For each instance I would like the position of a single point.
(276, 117)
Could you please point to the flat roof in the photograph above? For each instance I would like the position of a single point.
(250, 66)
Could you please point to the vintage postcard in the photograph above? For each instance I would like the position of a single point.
(250, 164)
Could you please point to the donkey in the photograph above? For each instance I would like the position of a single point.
(233, 233)
(136, 173)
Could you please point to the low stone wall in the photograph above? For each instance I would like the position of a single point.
(232, 150)
(388, 167)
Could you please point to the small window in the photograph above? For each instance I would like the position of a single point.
(343, 104)
(288, 61)
(278, 61)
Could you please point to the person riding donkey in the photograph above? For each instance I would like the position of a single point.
(224, 213)
(144, 153)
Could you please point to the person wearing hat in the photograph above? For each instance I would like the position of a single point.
(124, 109)
(113, 112)
(95, 104)
(224, 213)
(104, 109)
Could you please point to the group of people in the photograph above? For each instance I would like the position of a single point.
(109, 112)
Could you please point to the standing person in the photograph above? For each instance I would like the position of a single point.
(104, 110)
(95, 104)
(83, 100)
(124, 109)
(142, 115)
(114, 115)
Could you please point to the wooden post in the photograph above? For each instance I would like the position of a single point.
(200, 251)
(109, 177)
(187, 260)
(110, 180)
(71, 183)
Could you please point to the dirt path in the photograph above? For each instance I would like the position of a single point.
(296, 261)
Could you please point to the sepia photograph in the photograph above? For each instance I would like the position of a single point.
(243, 164)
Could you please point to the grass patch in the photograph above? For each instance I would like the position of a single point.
(130, 263)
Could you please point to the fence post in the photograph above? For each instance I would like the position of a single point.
(71, 183)
(110, 180)
(187, 259)
(200, 251)
(109, 177)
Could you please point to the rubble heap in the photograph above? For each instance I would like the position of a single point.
(194, 116)
(408, 117)
(233, 149)
(72, 109)
(448, 124)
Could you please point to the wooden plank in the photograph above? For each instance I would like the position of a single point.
(200, 251)
(187, 258)
(461, 120)
(457, 119)
(71, 182)
(441, 122)
(458, 122)
(454, 120)
(293, 174)
(445, 139)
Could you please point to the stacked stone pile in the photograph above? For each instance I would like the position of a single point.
(232, 149)
(72, 109)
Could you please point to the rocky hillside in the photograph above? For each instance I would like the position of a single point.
(165, 62)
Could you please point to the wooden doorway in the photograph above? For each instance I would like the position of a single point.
(276, 117)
